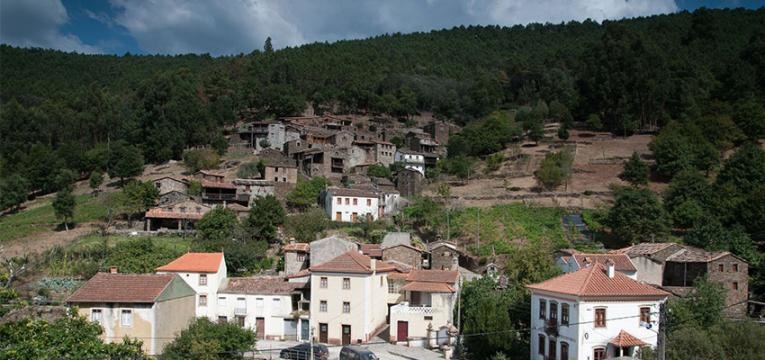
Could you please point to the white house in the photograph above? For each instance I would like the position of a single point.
(572, 260)
(204, 272)
(267, 304)
(352, 205)
(593, 313)
(411, 160)
(427, 312)
(349, 298)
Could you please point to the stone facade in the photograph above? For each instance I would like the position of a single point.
(168, 184)
(281, 174)
(733, 274)
(439, 130)
(409, 182)
(385, 153)
(404, 254)
(173, 197)
(444, 257)
(295, 261)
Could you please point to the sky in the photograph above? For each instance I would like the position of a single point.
(229, 27)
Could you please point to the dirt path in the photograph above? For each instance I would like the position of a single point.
(38, 243)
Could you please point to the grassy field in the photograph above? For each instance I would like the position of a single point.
(42, 218)
(172, 242)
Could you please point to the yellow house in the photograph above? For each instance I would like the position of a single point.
(153, 308)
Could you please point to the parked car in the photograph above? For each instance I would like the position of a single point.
(356, 353)
(303, 352)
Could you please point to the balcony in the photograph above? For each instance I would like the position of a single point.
(240, 311)
(220, 197)
(405, 309)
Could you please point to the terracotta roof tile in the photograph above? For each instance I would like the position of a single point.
(160, 213)
(122, 288)
(297, 247)
(431, 287)
(593, 281)
(217, 185)
(260, 285)
(435, 276)
(352, 192)
(195, 262)
(622, 262)
(625, 339)
(352, 262)
(371, 250)
(299, 274)
(642, 249)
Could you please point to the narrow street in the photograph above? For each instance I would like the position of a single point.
(269, 349)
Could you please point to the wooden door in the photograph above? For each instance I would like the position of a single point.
(338, 216)
(599, 354)
(323, 333)
(346, 334)
(260, 328)
(402, 331)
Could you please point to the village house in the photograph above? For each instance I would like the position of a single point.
(405, 254)
(352, 205)
(270, 133)
(204, 272)
(385, 152)
(409, 182)
(296, 257)
(215, 190)
(411, 160)
(253, 189)
(438, 130)
(676, 267)
(175, 216)
(594, 313)
(174, 197)
(570, 260)
(267, 304)
(278, 168)
(427, 313)
(168, 184)
(444, 256)
(349, 298)
(328, 248)
(152, 308)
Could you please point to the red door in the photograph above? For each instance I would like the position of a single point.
(260, 327)
(402, 332)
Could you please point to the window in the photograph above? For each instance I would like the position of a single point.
(222, 319)
(95, 315)
(221, 301)
(735, 285)
(276, 179)
(346, 307)
(735, 267)
(276, 304)
(346, 283)
(428, 318)
(323, 306)
(542, 309)
(564, 314)
(599, 354)
(369, 202)
(600, 317)
(202, 300)
(127, 318)
(347, 201)
(721, 267)
(541, 344)
(323, 282)
(554, 311)
(355, 201)
(392, 287)
(259, 305)
(563, 351)
(339, 201)
(551, 349)
(301, 257)
(284, 179)
(240, 321)
(202, 279)
(645, 314)
(183, 209)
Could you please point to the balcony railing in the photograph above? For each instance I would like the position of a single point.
(240, 311)
(405, 309)
(214, 196)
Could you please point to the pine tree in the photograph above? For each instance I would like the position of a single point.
(268, 47)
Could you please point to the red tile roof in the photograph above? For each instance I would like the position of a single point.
(593, 281)
(195, 262)
(429, 287)
(371, 250)
(161, 213)
(122, 288)
(622, 262)
(362, 193)
(625, 339)
(299, 274)
(435, 281)
(352, 262)
(217, 185)
(297, 247)
(260, 285)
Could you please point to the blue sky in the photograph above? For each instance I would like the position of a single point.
(222, 27)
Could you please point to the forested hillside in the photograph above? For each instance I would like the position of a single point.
(61, 112)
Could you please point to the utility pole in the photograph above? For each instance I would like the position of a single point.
(311, 342)
(661, 342)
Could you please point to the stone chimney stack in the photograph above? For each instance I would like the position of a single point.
(113, 270)
(610, 266)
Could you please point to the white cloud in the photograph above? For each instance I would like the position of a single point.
(512, 12)
(37, 24)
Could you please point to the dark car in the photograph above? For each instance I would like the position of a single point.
(357, 353)
(303, 352)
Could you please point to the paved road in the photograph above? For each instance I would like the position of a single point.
(269, 349)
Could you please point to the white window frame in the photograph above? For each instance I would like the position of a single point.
(95, 318)
(129, 318)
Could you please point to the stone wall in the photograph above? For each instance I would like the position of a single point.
(733, 274)
(403, 254)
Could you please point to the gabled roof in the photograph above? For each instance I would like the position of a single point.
(395, 238)
(404, 245)
(260, 285)
(593, 281)
(622, 262)
(433, 281)
(371, 250)
(122, 288)
(195, 262)
(642, 249)
(625, 339)
(691, 254)
(352, 262)
(299, 274)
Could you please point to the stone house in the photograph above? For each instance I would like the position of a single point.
(173, 197)
(296, 257)
(175, 216)
(405, 254)
(409, 182)
(438, 130)
(252, 189)
(385, 152)
(215, 190)
(169, 184)
(152, 308)
(444, 256)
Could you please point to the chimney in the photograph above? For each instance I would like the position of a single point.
(373, 265)
(610, 266)
(113, 270)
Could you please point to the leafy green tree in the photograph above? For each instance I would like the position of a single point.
(682, 146)
(635, 171)
(216, 227)
(306, 192)
(749, 116)
(137, 197)
(266, 215)
(96, 179)
(688, 189)
(745, 169)
(554, 169)
(304, 227)
(380, 171)
(536, 131)
(637, 215)
(69, 337)
(195, 160)
(531, 264)
(494, 161)
(206, 340)
(460, 166)
(125, 161)
(703, 306)
(13, 191)
(63, 207)
(594, 123)
(563, 133)
(251, 170)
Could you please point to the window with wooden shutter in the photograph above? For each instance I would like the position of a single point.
(600, 317)
(542, 309)
(564, 314)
